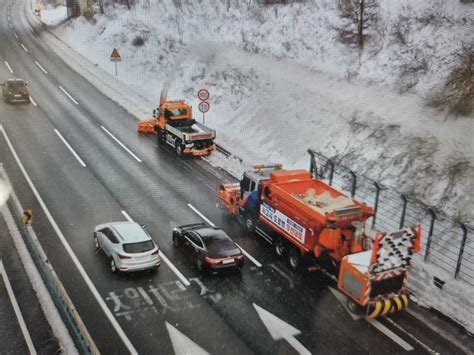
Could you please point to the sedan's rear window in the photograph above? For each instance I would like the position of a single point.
(134, 248)
(16, 84)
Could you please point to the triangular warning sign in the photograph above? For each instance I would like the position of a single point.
(115, 54)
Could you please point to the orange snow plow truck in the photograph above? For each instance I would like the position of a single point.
(314, 224)
(173, 124)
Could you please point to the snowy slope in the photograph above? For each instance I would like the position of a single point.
(280, 83)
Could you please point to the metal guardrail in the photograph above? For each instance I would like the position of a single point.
(73, 321)
(446, 243)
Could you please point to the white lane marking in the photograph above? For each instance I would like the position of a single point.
(127, 216)
(70, 149)
(9, 18)
(173, 268)
(121, 144)
(201, 215)
(24, 48)
(9, 67)
(16, 308)
(182, 344)
(419, 342)
(16, 36)
(33, 101)
(178, 273)
(250, 257)
(390, 334)
(279, 329)
(73, 256)
(68, 95)
(39, 66)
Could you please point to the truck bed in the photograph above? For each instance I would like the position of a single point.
(196, 131)
(297, 190)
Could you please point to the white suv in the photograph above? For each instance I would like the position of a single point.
(128, 246)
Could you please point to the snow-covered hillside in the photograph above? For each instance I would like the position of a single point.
(281, 82)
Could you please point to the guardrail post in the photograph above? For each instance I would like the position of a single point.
(354, 182)
(430, 232)
(376, 203)
(331, 172)
(461, 250)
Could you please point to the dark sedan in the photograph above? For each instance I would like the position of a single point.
(213, 248)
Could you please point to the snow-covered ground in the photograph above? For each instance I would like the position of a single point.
(281, 82)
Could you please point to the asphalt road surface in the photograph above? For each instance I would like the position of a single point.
(68, 142)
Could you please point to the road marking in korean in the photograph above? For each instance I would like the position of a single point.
(9, 67)
(121, 144)
(70, 149)
(69, 250)
(68, 95)
(17, 310)
(33, 101)
(250, 257)
(24, 48)
(178, 273)
(39, 66)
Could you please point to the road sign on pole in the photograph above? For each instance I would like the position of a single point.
(203, 95)
(115, 57)
(204, 105)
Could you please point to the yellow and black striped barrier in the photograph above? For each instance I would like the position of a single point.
(387, 305)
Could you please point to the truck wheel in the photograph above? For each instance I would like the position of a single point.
(161, 137)
(354, 307)
(280, 247)
(179, 149)
(294, 259)
(249, 223)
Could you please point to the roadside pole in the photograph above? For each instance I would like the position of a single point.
(204, 105)
(115, 57)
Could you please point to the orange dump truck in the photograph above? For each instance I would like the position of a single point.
(317, 226)
(173, 124)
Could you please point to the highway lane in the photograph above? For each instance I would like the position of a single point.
(157, 192)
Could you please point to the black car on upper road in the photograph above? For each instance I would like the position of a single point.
(15, 90)
(213, 248)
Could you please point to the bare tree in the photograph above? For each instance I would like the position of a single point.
(457, 93)
(359, 16)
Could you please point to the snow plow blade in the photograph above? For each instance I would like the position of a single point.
(387, 305)
(147, 126)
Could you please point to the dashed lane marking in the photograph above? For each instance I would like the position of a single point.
(66, 143)
(33, 101)
(121, 144)
(24, 48)
(9, 67)
(68, 95)
(39, 66)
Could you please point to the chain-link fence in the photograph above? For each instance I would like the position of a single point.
(445, 242)
(63, 303)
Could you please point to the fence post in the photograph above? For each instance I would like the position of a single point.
(461, 250)
(313, 168)
(331, 172)
(354, 182)
(376, 203)
(404, 209)
(430, 232)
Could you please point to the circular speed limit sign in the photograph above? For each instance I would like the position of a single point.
(204, 106)
(203, 95)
